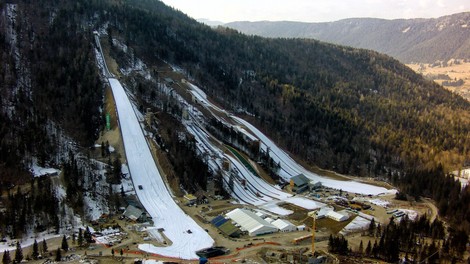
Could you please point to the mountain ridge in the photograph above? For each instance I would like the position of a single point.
(409, 40)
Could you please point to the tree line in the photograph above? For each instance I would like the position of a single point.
(413, 240)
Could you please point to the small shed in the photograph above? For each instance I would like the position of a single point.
(284, 225)
(133, 213)
(190, 198)
(337, 216)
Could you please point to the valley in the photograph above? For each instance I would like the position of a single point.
(130, 133)
(447, 75)
(259, 196)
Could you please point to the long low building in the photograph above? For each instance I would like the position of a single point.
(337, 216)
(251, 223)
(284, 225)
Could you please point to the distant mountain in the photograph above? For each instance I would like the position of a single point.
(209, 22)
(409, 40)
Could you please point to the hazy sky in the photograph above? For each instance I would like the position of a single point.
(315, 10)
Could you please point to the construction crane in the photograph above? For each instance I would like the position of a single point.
(313, 215)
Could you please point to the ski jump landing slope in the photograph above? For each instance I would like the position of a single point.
(154, 196)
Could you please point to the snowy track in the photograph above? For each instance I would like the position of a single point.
(155, 196)
(290, 168)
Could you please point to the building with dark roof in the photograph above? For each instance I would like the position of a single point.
(299, 183)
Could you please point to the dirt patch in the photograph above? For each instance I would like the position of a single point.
(112, 136)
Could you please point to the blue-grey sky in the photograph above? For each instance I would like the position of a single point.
(315, 10)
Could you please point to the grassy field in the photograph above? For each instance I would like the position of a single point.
(454, 71)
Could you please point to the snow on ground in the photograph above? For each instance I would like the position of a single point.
(11, 245)
(412, 214)
(380, 202)
(358, 223)
(38, 171)
(151, 261)
(274, 208)
(94, 208)
(290, 168)
(100, 63)
(155, 196)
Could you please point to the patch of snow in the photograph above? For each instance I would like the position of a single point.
(151, 261)
(100, 63)
(39, 171)
(358, 223)
(406, 30)
(120, 45)
(274, 208)
(380, 202)
(93, 208)
(412, 214)
(11, 244)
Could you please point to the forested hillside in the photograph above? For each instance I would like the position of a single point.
(409, 40)
(50, 95)
(49, 83)
(353, 111)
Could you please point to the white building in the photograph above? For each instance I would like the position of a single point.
(337, 216)
(284, 225)
(251, 223)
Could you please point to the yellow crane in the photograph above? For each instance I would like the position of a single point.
(313, 215)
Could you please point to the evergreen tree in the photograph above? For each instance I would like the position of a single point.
(378, 230)
(375, 249)
(368, 249)
(112, 252)
(44, 246)
(58, 255)
(87, 235)
(372, 227)
(121, 252)
(361, 248)
(6, 257)
(65, 244)
(74, 239)
(330, 243)
(103, 151)
(18, 253)
(80, 237)
(35, 253)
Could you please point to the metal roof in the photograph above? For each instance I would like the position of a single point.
(250, 222)
(132, 212)
(300, 180)
(283, 224)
